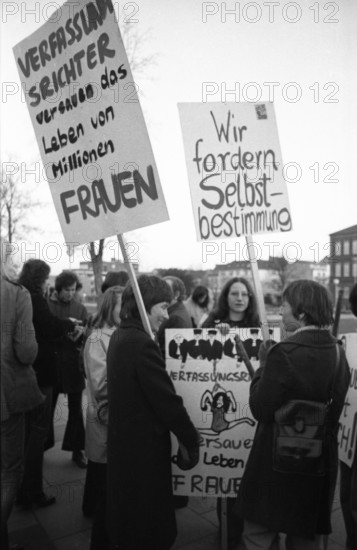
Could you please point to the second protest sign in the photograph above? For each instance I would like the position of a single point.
(235, 169)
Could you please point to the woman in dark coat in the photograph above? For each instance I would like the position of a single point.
(301, 367)
(143, 409)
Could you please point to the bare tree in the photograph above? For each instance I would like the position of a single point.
(282, 269)
(15, 203)
(135, 43)
(96, 255)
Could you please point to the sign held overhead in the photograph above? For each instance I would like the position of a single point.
(234, 168)
(88, 122)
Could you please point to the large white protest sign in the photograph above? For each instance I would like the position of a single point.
(208, 373)
(88, 122)
(347, 436)
(235, 169)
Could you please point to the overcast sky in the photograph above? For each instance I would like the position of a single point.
(299, 54)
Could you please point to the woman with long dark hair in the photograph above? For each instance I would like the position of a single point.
(236, 308)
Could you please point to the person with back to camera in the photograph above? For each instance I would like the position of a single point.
(143, 409)
(309, 366)
(112, 278)
(19, 389)
(48, 330)
(95, 363)
(70, 370)
(348, 480)
(177, 314)
(178, 317)
(236, 307)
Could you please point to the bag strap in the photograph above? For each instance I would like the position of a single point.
(337, 364)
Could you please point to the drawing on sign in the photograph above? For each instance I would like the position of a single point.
(178, 348)
(235, 169)
(220, 402)
(215, 392)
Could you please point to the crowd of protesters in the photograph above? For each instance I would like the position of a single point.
(51, 346)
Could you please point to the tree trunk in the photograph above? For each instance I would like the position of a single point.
(97, 265)
(9, 224)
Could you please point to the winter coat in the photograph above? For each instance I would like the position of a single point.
(19, 388)
(49, 331)
(95, 365)
(143, 409)
(300, 367)
(70, 371)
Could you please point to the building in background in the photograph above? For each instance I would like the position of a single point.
(86, 276)
(274, 274)
(343, 262)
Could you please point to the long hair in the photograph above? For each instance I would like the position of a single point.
(200, 296)
(33, 274)
(153, 290)
(106, 308)
(226, 401)
(251, 316)
(310, 299)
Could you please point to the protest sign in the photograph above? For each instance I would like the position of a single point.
(347, 435)
(235, 169)
(88, 122)
(213, 381)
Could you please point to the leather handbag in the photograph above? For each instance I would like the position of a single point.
(300, 432)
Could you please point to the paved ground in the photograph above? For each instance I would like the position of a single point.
(63, 527)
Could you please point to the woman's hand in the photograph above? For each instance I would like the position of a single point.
(187, 458)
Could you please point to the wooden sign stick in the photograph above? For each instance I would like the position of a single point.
(224, 525)
(258, 288)
(337, 313)
(244, 355)
(134, 283)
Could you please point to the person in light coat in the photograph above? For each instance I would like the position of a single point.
(19, 389)
(95, 365)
